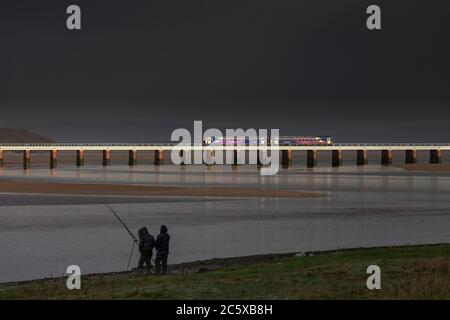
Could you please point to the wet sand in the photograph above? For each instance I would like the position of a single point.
(435, 167)
(139, 190)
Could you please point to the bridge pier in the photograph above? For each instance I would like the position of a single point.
(132, 157)
(183, 157)
(361, 158)
(336, 160)
(261, 158)
(186, 156)
(26, 160)
(106, 157)
(159, 157)
(386, 157)
(80, 158)
(435, 156)
(286, 158)
(210, 156)
(1, 158)
(311, 158)
(53, 161)
(236, 158)
(410, 156)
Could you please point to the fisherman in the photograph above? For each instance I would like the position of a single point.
(162, 250)
(146, 245)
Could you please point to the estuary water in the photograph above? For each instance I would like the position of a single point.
(40, 235)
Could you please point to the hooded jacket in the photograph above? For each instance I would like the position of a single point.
(146, 242)
(162, 241)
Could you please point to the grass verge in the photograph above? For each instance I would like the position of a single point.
(411, 272)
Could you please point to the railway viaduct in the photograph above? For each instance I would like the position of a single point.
(337, 150)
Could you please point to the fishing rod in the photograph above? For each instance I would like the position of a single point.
(135, 240)
(120, 220)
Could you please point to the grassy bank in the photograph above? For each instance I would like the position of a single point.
(414, 272)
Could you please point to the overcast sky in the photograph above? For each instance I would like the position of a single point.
(139, 69)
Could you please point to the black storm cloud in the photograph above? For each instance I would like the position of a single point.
(139, 69)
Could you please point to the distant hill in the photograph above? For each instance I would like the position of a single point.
(18, 135)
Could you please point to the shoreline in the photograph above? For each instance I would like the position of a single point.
(425, 167)
(98, 189)
(214, 264)
(335, 274)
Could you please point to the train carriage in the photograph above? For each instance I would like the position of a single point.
(282, 141)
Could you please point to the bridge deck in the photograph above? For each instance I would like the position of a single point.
(169, 147)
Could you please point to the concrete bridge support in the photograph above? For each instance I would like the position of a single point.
(106, 157)
(209, 157)
(132, 157)
(80, 158)
(186, 157)
(235, 158)
(361, 157)
(183, 157)
(435, 156)
(410, 156)
(286, 158)
(261, 157)
(386, 157)
(53, 161)
(336, 158)
(26, 159)
(159, 157)
(311, 158)
(1, 158)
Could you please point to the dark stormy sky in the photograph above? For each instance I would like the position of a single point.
(139, 69)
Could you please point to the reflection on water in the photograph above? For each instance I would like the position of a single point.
(41, 235)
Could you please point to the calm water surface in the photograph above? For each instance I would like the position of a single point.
(41, 235)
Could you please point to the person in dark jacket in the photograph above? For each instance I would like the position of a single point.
(146, 245)
(162, 250)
